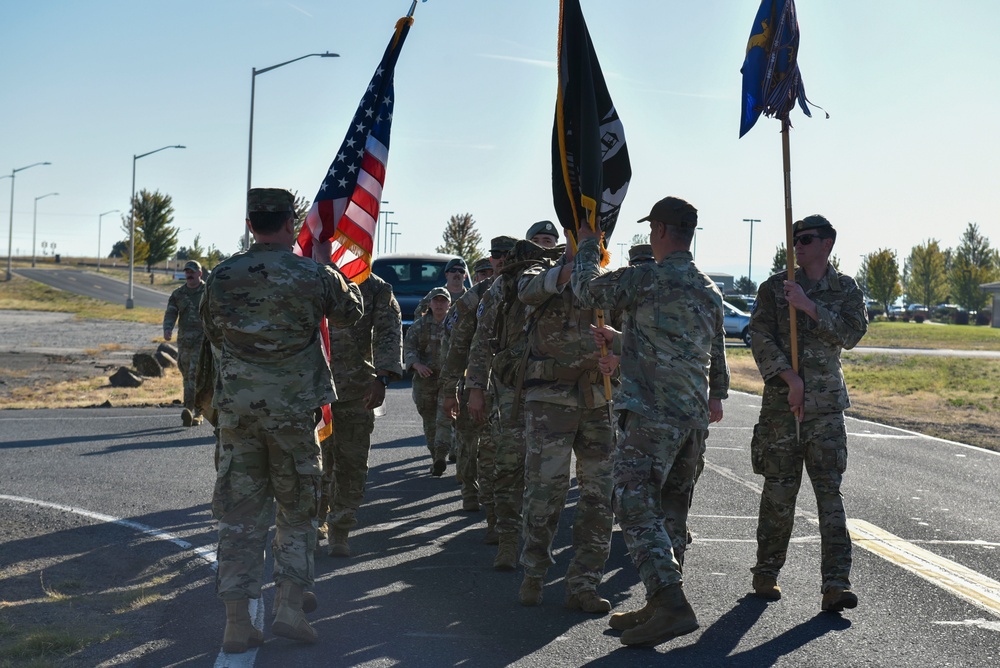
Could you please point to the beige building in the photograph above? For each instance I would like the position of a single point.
(994, 289)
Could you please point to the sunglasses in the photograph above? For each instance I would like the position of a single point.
(456, 270)
(496, 255)
(806, 239)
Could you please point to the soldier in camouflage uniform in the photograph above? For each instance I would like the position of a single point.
(674, 378)
(182, 308)
(262, 309)
(446, 443)
(476, 453)
(831, 317)
(365, 358)
(495, 363)
(422, 355)
(566, 414)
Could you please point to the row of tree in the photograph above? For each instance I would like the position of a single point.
(932, 275)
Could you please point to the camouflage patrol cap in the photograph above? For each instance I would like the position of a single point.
(813, 222)
(640, 253)
(192, 265)
(673, 211)
(502, 244)
(542, 227)
(276, 200)
(482, 264)
(456, 263)
(439, 292)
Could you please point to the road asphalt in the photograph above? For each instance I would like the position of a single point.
(98, 286)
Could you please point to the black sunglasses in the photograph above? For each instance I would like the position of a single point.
(496, 255)
(806, 239)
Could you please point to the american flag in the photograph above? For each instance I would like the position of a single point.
(346, 207)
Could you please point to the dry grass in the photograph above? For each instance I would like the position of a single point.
(22, 294)
(97, 391)
(949, 397)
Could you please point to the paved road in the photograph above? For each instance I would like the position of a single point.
(95, 285)
(420, 590)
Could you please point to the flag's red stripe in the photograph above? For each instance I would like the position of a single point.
(371, 164)
(366, 201)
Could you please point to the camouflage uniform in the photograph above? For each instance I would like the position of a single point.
(262, 310)
(822, 448)
(462, 318)
(423, 344)
(372, 343)
(182, 308)
(445, 438)
(566, 414)
(673, 361)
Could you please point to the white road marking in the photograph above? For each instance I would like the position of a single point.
(981, 623)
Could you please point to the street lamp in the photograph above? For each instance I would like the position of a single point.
(253, 86)
(99, 235)
(750, 260)
(34, 224)
(390, 235)
(694, 255)
(130, 302)
(10, 233)
(384, 235)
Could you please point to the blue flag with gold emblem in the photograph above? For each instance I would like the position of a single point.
(772, 83)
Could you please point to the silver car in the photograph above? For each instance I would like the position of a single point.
(737, 323)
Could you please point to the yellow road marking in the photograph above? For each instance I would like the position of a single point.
(974, 587)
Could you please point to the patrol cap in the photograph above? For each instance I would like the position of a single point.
(673, 211)
(276, 200)
(502, 244)
(483, 264)
(640, 253)
(193, 265)
(439, 292)
(456, 263)
(542, 227)
(814, 222)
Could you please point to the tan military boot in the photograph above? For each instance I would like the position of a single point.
(240, 633)
(338, 546)
(672, 617)
(623, 621)
(506, 559)
(587, 600)
(530, 592)
(835, 599)
(491, 537)
(766, 587)
(290, 622)
(309, 602)
(187, 417)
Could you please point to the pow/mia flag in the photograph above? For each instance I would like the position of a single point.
(590, 165)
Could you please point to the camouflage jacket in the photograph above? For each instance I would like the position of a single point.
(499, 344)
(673, 349)
(462, 327)
(562, 359)
(373, 342)
(842, 322)
(423, 342)
(182, 308)
(262, 309)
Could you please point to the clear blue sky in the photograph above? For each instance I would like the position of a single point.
(908, 154)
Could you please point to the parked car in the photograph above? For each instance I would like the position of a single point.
(737, 323)
(412, 277)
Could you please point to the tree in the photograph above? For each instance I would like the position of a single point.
(155, 235)
(924, 271)
(972, 264)
(213, 257)
(779, 265)
(745, 286)
(882, 277)
(462, 239)
(861, 278)
(120, 249)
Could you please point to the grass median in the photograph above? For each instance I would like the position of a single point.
(954, 398)
(22, 294)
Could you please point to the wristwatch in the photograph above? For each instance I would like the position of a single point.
(383, 379)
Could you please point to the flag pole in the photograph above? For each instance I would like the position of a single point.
(413, 6)
(786, 160)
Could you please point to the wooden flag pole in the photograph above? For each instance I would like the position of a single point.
(793, 328)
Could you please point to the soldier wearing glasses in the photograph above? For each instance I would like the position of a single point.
(831, 317)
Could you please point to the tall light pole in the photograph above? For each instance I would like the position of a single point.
(694, 255)
(34, 224)
(384, 235)
(99, 235)
(750, 261)
(130, 302)
(10, 233)
(390, 235)
(253, 86)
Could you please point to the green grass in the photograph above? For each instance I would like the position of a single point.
(21, 294)
(909, 374)
(883, 334)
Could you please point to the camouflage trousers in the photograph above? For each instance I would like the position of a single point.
(779, 457)
(655, 470)
(554, 433)
(425, 396)
(444, 431)
(464, 438)
(265, 460)
(188, 354)
(345, 463)
(477, 454)
(507, 430)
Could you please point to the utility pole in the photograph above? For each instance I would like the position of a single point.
(750, 261)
